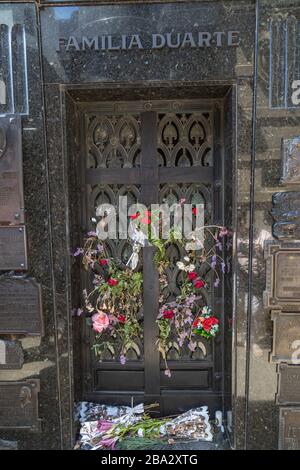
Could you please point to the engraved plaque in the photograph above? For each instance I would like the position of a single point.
(288, 384)
(291, 161)
(289, 429)
(11, 355)
(287, 276)
(11, 175)
(20, 306)
(19, 405)
(286, 213)
(286, 336)
(283, 275)
(13, 253)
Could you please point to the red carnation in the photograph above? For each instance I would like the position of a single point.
(194, 210)
(146, 220)
(169, 314)
(112, 282)
(196, 323)
(103, 262)
(209, 322)
(198, 284)
(122, 318)
(192, 276)
(134, 216)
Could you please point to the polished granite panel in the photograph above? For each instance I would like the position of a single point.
(59, 107)
(271, 126)
(82, 66)
(164, 75)
(40, 354)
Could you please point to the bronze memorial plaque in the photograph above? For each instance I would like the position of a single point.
(11, 175)
(289, 429)
(286, 215)
(20, 306)
(287, 276)
(11, 355)
(13, 252)
(286, 336)
(19, 405)
(288, 384)
(283, 276)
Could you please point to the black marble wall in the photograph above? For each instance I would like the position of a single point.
(274, 121)
(41, 354)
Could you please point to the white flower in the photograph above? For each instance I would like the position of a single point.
(190, 268)
(140, 432)
(194, 245)
(162, 430)
(186, 258)
(180, 265)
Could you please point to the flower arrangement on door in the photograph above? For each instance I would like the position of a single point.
(113, 306)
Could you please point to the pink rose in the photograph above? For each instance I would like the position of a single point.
(100, 321)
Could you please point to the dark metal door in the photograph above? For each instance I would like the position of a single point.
(153, 152)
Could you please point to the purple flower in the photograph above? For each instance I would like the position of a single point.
(104, 425)
(217, 282)
(213, 264)
(77, 312)
(192, 345)
(100, 248)
(122, 359)
(188, 320)
(109, 442)
(168, 373)
(78, 252)
(219, 246)
(223, 267)
(223, 232)
(91, 234)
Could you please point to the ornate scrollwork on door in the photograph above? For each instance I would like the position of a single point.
(119, 248)
(184, 139)
(114, 141)
(193, 193)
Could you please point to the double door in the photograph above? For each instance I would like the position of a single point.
(155, 152)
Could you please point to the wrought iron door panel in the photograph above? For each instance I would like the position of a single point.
(153, 152)
(108, 375)
(194, 193)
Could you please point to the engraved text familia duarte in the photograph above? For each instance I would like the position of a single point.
(153, 41)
